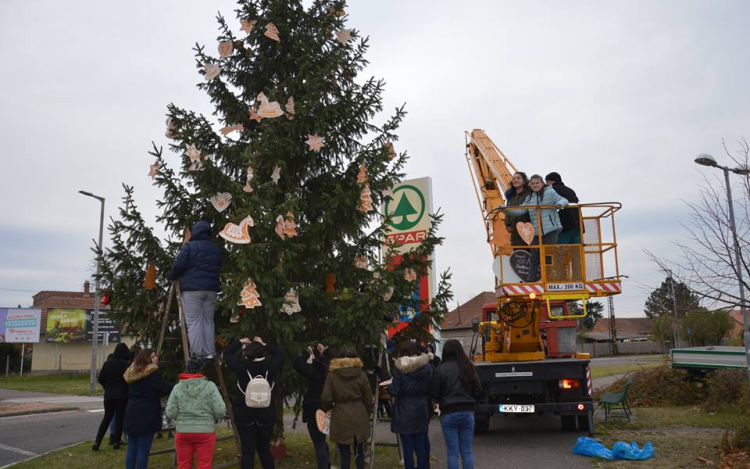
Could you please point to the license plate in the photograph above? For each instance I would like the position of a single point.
(517, 408)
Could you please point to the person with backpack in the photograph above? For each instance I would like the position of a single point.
(198, 266)
(195, 404)
(347, 394)
(454, 385)
(412, 411)
(143, 413)
(254, 414)
(313, 365)
(115, 395)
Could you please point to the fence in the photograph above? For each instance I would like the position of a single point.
(604, 349)
(10, 365)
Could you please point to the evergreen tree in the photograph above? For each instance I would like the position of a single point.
(660, 302)
(299, 160)
(594, 311)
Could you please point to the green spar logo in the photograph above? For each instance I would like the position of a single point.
(405, 216)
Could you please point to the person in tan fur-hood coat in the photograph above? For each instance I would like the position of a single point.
(347, 394)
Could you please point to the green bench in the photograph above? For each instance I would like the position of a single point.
(617, 401)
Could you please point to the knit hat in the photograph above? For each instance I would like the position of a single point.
(194, 364)
(554, 177)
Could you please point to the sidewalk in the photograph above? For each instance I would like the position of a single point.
(36, 402)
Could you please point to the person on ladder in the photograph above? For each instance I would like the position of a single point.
(197, 267)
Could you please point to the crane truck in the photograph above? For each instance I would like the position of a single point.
(524, 345)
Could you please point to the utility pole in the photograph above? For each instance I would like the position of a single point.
(612, 325)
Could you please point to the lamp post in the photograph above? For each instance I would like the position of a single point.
(708, 160)
(95, 336)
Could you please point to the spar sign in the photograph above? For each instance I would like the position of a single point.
(409, 210)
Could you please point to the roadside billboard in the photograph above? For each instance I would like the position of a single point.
(66, 325)
(107, 327)
(20, 325)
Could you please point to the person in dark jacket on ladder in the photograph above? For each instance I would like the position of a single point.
(254, 424)
(198, 266)
(313, 365)
(410, 386)
(115, 395)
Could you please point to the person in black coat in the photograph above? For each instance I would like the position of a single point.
(313, 366)
(115, 394)
(198, 266)
(255, 425)
(569, 217)
(412, 411)
(143, 413)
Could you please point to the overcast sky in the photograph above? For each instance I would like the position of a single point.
(618, 97)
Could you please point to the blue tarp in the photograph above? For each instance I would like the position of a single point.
(589, 447)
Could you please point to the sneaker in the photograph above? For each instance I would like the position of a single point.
(208, 360)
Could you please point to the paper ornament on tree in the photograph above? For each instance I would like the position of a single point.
(171, 129)
(291, 303)
(388, 294)
(391, 150)
(249, 297)
(248, 179)
(221, 201)
(272, 32)
(238, 234)
(344, 36)
(280, 226)
(332, 11)
(268, 109)
(330, 283)
(362, 175)
(361, 262)
(276, 175)
(153, 169)
(232, 128)
(254, 115)
(525, 231)
(211, 70)
(225, 48)
(290, 227)
(149, 282)
(247, 25)
(365, 200)
(196, 164)
(315, 143)
(290, 108)
(410, 275)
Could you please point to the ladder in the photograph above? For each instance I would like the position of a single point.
(175, 292)
(382, 359)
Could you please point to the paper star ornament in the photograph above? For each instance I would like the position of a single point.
(291, 303)
(211, 70)
(272, 32)
(247, 25)
(361, 262)
(315, 143)
(196, 164)
(344, 36)
(276, 175)
(153, 169)
(254, 115)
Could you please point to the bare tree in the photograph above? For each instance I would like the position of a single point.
(707, 263)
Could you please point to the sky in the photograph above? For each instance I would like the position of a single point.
(617, 96)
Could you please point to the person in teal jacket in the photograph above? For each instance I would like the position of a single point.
(195, 405)
(541, 194)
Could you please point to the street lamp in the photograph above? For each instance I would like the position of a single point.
(708, 160)
(95, 337)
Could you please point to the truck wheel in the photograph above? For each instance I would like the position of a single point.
(481, 425)
(583, 423)
(568, 422)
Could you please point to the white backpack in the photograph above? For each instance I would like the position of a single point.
(258, 392)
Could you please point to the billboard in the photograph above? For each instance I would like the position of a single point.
(19, 325)
(66, 325)
(107, 327)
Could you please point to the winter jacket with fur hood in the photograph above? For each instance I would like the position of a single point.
(111, 377)
(143, 413)
(410, 386)
(347, 393)
(195, 404)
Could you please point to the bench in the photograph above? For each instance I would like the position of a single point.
(617, 401)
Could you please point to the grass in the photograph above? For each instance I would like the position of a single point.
(76, 384)
(299, 447)
(611, 370)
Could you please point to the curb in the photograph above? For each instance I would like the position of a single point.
(37, 411)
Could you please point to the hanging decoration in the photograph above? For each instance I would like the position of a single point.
(365, 200)
(235, 317)
(330, 283)
(238, 234)
(289, 108)
(276, 175)
(291, 303)
(225, 48)
(149, 282)
(249, 297)
(391, 150)
(290, 227)
(362, 175)
(361, 261)
(221, 201)
(525, 231)
(280, 227)
(211, 70)
(272, 32)
(195, 158)
(386, 193)
(247, 25)
(171, 132)
(332, 11)
(388, 294)
(410, 275)
(153, 168)
(248, 179)
(254, 115)
(315, 143)
(268, 109)
(344, 36)
(232, 128)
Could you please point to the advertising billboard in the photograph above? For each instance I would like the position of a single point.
(66, 325)
(107, 327)
(19, 325)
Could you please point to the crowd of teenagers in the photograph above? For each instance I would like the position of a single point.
(420, 387)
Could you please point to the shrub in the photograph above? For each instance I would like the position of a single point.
(661, 386)
(727, 387)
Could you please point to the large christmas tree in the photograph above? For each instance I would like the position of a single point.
(293, 170)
